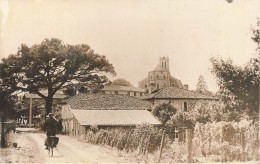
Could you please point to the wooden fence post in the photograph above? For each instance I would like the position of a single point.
(189, 144)
(161, 147)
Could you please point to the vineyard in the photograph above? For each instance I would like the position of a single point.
(211, 142)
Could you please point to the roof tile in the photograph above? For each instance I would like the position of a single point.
(107, 102)
(177, 93)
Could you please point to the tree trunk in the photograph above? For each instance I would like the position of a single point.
(48, 106)
(3, 119)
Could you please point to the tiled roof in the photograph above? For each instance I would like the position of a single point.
(106, 102)
(121, 88)
(114, 117)
(57, 95)
(177, 93)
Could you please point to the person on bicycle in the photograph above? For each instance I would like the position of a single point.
(50, 127)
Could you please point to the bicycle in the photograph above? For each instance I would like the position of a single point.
(52, 141)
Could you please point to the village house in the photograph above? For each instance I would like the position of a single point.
(36, 99)
(123, 90)
(182, 99)
(104, 111)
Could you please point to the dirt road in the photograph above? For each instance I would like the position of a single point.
(31, 149)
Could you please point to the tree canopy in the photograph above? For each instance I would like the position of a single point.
(164, 112)
(52, 65)
(201, 84)
(121, 82)
(202, 87)
(238, 86)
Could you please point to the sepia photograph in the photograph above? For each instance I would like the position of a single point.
(129, 81)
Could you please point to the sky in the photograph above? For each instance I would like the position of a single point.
(134, 34)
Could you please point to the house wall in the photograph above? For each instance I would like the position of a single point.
(26, 101)
(67, 120)
(131, 93)
(192, 104)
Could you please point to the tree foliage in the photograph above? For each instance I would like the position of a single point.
(206, 112)
(52, 65)
(238, 86)
(202, 87)
(201, 84)
(164, 112)
(121, 82)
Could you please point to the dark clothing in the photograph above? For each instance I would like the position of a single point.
(51, 127)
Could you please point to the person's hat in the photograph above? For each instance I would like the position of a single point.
(50, 114)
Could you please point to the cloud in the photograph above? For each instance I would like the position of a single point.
(4, 10)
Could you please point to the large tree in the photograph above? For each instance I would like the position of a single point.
(121, 82)
(202, 87)
(201, 84)
(52, 65)
(238, 86)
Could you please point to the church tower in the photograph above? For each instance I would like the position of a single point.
(160, 77)
(163, 64)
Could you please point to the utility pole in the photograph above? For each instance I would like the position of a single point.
(256, 39)
(30, 113)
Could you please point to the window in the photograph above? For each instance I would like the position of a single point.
(176, 133)
(116, 92)
(134, 93)
(128, 93)
(158, 86)
(145, 86)
(141, 94)
(185, 107)
(157, 76)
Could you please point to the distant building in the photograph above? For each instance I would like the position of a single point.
(36, 99)
(105, 111)
(38, 106)
(121, 90)
(160, 77)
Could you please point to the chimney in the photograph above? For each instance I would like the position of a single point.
(186, 86)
